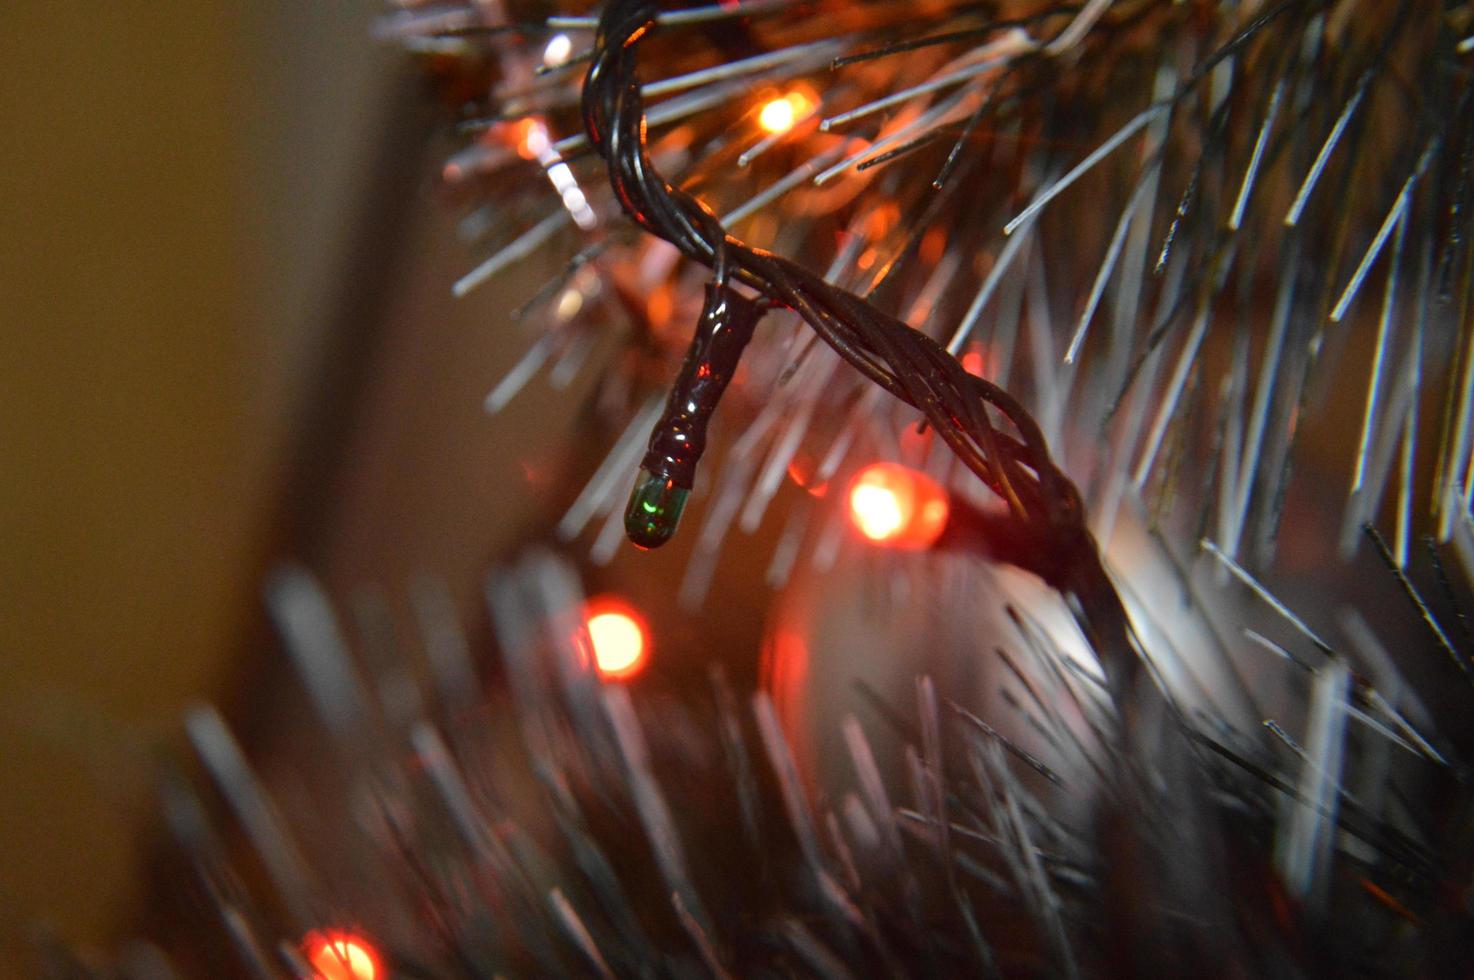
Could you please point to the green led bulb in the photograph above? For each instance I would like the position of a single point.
(654, 510)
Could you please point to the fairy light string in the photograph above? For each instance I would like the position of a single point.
(669, 469)
(1046, 531)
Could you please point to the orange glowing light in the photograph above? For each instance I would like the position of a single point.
(782, 113)
(880, 221)
(530, 137)
(803, 470)
(619, 637)
(898, 507)
(660, 308)
(933, 244)
(341, 956)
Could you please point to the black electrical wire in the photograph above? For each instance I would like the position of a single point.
(1047, 524)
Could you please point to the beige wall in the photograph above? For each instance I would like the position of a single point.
(173, 180)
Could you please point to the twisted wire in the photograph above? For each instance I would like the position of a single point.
(1042, 501)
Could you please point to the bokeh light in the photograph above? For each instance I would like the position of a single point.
(556, 54)
(619, 636)
(530, 137)
(781, 113)
(338, 955)
(898, 507)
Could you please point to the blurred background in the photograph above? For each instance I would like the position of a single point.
(230, 341)
(191, 287)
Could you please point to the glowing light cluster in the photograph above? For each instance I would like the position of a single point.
(338, 955)
(567, 187)
(782, 113)
(531, 138)
(619, 637)
(534, 143)
(898, 507)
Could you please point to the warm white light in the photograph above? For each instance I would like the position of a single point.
(898, 507)
(780, 114)
(560, 46)
(877, 511)
(618, 636)
(567, 187)
(570, 301)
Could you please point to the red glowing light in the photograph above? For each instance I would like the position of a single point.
(972, 363)
(803, 470)
(338, 955)
(898, 507)
(619, 637)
